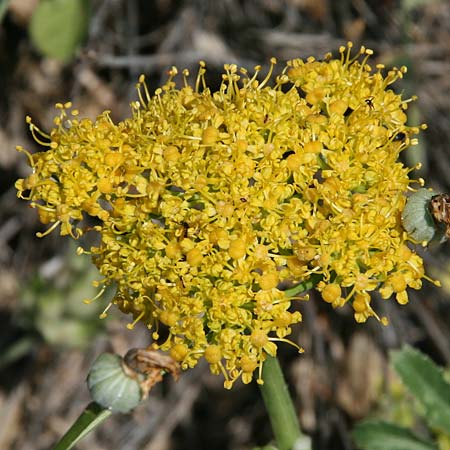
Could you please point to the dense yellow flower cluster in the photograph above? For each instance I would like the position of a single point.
(209, 204)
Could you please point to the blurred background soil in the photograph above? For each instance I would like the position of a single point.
(49, 338)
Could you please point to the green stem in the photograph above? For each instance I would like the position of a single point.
(92, 416)
(304, 285)
(281, 409)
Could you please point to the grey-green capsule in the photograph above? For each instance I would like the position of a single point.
(110, 387)
(417, 219)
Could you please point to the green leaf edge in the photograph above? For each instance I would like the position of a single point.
(375, 435)
(425, 380)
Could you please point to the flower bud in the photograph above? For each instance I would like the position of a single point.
(110, 387)
(417, 219)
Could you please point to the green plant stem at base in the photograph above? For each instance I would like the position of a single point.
(280, 408)
(92, 416)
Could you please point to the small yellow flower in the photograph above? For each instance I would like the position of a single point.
(331, 293)
(206, 203)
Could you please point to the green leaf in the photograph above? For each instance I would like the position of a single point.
(425, 380)
(58, 27)
(92, 416)
(373, 435)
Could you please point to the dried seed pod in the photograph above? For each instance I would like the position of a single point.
(418, 219)
(111, 387)
(440, 210)
(148, 367)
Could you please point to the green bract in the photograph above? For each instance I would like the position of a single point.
(110, 387)
(417, 219)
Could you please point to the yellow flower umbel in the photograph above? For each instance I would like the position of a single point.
(209, 203)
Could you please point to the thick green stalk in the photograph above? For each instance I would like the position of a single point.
(92, 416)
(281, 409)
